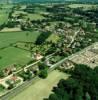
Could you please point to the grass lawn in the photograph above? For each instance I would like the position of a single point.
(13, 55)
(42, 88)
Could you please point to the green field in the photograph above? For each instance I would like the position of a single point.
(4, 16)
(35, 16)
(32, 16)
(11, 55)
(4, 12)
(6, 38)
(42, 88)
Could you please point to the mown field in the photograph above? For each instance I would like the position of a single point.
(42, 88)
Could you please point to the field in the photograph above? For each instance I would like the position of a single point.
(85, 6)
(32, 16)
(3, 16)
(10, 55)
(13, 55)
(7, 38)
(35, 16)
(41, 89)
(4, 12)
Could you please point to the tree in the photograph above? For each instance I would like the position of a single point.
(42, 66)
(1, 74)
(43, 73)
(26, 75)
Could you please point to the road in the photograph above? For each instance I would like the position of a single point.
(73, 38)
(72, 56)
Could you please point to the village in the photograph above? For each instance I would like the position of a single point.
(39, 38)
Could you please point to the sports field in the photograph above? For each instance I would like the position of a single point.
(43, 87)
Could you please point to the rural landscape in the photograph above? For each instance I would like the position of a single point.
(48, 50)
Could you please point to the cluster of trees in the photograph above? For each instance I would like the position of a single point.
(81, 85)
(1, 74)
(91, 14)
(26, 75)
(43, 70)
(42, 37)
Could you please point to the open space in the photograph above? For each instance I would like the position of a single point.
(42, 88)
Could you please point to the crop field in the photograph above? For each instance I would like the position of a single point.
(41, 89)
